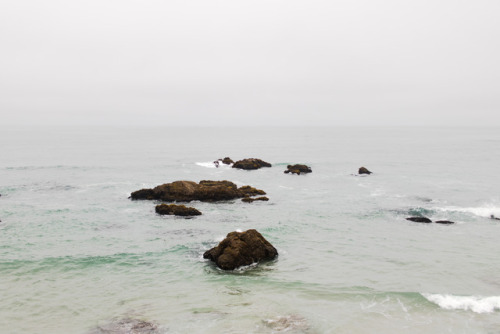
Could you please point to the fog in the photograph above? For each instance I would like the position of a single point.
(246, 63)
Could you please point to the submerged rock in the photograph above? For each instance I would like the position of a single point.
(250, 200)
(177, 210)
(297, 169)
(363, 170)
(419, 219)
(249, 164)
(187, 191)
(446, 222)
(241, 249)
(128, 326)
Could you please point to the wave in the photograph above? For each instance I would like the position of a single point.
(210, 164)
(472, 303)
(482, 211)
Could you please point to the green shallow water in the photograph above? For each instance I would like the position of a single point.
(76, 253)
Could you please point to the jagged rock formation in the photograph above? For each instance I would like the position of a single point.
(187, 191)
(241, 249)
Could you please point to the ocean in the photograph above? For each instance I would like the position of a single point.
(78, 256)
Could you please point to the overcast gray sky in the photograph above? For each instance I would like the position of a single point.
(272, 62)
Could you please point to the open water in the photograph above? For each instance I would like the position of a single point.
(77, 256)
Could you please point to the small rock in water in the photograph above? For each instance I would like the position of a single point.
(287, 323)
(419, 219)
(363, 170)
(298, 169)
(128, 326)
(493, 217)
(241, 249)
(177, 210)
(227, 161)
(445, 222)
(250, 200)
(249, 164)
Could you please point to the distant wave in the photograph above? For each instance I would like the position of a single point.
(467, 303)
(481, 211)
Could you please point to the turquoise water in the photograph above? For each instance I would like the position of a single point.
(76, 253)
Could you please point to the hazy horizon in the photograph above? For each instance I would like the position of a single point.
(259, 63)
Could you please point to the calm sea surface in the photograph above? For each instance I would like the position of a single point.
(77, 256)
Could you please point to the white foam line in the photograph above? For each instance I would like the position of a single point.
(475, 304)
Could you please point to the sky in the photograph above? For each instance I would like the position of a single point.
(250, 63)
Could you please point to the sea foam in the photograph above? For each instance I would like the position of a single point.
(473, 303)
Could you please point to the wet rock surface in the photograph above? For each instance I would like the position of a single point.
(187, 191)
(241, 249)
(445, 222)
(251, 164)
(177, 210)
(298, 169)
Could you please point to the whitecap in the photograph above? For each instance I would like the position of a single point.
(475, 304)
(482, 211)
(211, 164)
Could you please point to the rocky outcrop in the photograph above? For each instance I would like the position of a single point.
(241, 249)
(298, 169)
(177, 210)
(187, 191)
(250, 200)
(363, 170)
(419, 219)
(249, 164)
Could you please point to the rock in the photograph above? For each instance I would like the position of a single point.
(446, 222)
(227, 161)
(241, 249)
(187, 191)
(128, 326)
(493, 217)
(297, 169)
(250, 200)
(177, 210)
(419, 219)
(249, 164)
(363, 170)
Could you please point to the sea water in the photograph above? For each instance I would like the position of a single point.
(77, 255)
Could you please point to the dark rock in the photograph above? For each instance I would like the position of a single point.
(446, 222)
(186, 191)
(493, 217)
(177, 210)
(363, 170)
(250, 200)
(419, 219)
(298, 169)
(128, 326)
(241, 249)
(227, 161)
(249, 164)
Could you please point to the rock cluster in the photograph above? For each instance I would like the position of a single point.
(177, 210)
(250, 164)
(187, 191)
(298, 169)
(241, 249)
(427, 220)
